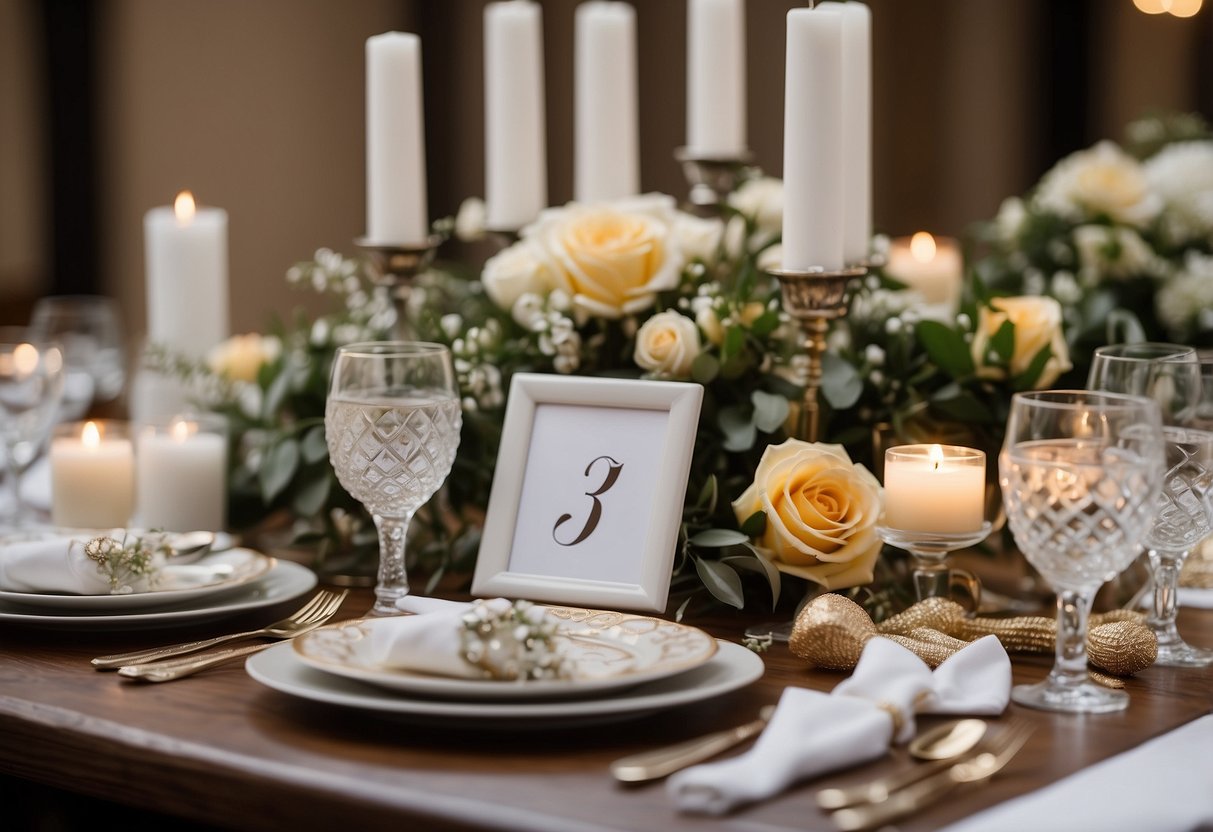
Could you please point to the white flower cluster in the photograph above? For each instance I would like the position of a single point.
(368, 308)
(548, 320)
(1185, 303)
(476, 370)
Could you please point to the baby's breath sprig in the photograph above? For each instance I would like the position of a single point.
(512, 642)
(127, 561)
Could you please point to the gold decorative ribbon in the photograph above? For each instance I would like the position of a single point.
(830, 632)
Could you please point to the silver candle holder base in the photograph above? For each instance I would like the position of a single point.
(711, 178)
(814, 297)
(396, 267)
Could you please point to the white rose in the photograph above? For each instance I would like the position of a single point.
(699, 237)
(1010, 220)
(1184, 298)
(761, 200)
(667, 344)
(470, 220)
(1182, 175)
(1118, 252)
(612, 257)
(1038, 323)
(1103, 180)
(821, 510)
(523, 268)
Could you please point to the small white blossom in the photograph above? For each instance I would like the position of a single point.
(874, 354)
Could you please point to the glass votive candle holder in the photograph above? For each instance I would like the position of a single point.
(181, 473)
(92, 474)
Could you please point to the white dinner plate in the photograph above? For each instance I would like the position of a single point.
(179, 584)
(732, 667)
(606, 649)
(284, 581)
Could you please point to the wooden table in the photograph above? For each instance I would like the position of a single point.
(218, 749)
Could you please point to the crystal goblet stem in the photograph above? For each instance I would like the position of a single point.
(1173, 651)
(393, 582)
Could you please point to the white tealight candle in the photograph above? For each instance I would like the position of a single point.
(934, 488)
(931, 266)
(716, 77)
(181, 477)
(92, 476)
(606, 126)
(187, 281)
(395, 141)
(813, 141)
(515, 163)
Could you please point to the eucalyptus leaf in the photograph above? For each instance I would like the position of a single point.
(715, 538)
(275, 394)
(722, 581)
(770, 411)
(946, 347)
(755, 524)
(734, 342)
(757, 562)
(841, 383)
(278, 468)
(313, 493)
(313, 447)
(1003, 342)
(738, 427)
(705, 368)
(1028, 378)
(766, 323)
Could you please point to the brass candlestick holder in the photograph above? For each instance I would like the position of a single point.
(711, 178)
(396, 266)
(814, 297)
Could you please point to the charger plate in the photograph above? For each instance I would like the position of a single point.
(732, 667)
(606, 650)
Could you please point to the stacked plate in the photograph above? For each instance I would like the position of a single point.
(626, 666)
(227, 581)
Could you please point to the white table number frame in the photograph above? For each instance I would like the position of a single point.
(588, 492)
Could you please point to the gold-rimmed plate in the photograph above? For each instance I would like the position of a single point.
(607, 651)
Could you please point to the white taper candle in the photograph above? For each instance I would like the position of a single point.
(606, 162)
(716, 78)
(395, 141)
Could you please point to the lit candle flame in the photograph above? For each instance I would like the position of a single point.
(935, 456)
(184, 208)
(922, 247)
(90, 436)
(181, 430)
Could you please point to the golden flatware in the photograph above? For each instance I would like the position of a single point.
(941, 746)
(974, 769)
(309, 616)
(652, 765)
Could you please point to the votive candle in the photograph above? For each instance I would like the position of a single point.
(934, 488)
(182, 474)
(92, 475)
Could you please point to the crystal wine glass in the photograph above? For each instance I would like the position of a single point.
(1171, 375)
(1081, 472)
(31, 383)
(392, 423)
(88, 329)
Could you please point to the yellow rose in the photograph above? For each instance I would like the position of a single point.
(241, 357)
(612, 257)
(1100, 180)
(1038, 323)
(821, 510)
(667, 344)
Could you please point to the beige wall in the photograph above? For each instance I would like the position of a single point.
(22, 201)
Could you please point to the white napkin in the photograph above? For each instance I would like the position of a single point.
(1197, 597)
(428, 641)
(1164, 785)
(813, 732)
(53, 564)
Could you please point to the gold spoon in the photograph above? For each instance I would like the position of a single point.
(652, 765)
(941, 745)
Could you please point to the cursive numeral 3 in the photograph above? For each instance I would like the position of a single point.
(612, 475)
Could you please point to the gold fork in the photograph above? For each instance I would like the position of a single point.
(180, 668)
(974, 769)
(315, 611)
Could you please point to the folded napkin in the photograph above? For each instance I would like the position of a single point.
(1164, 785)
(57, 564)
(813, 732)
(436, 639)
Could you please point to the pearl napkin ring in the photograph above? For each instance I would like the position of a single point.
(512, 641)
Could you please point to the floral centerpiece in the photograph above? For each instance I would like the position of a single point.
(639, 288)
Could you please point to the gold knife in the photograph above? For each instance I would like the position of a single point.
(652, 765)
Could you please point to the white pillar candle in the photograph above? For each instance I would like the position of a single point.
(812, 141)
(515, 148)
(857, 131)
(395, 141)
(931, 266)
(607, 139)
(181, 475)
(716, 78)
(186, 269)
(934, 488)
(92, 476)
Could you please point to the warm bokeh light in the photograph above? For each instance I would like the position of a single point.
(1151, 6)
(1184, 8)
(90, 436)
(935, 456)
(182, 430)
(184, 207)
(922, 247)
(25, 359)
